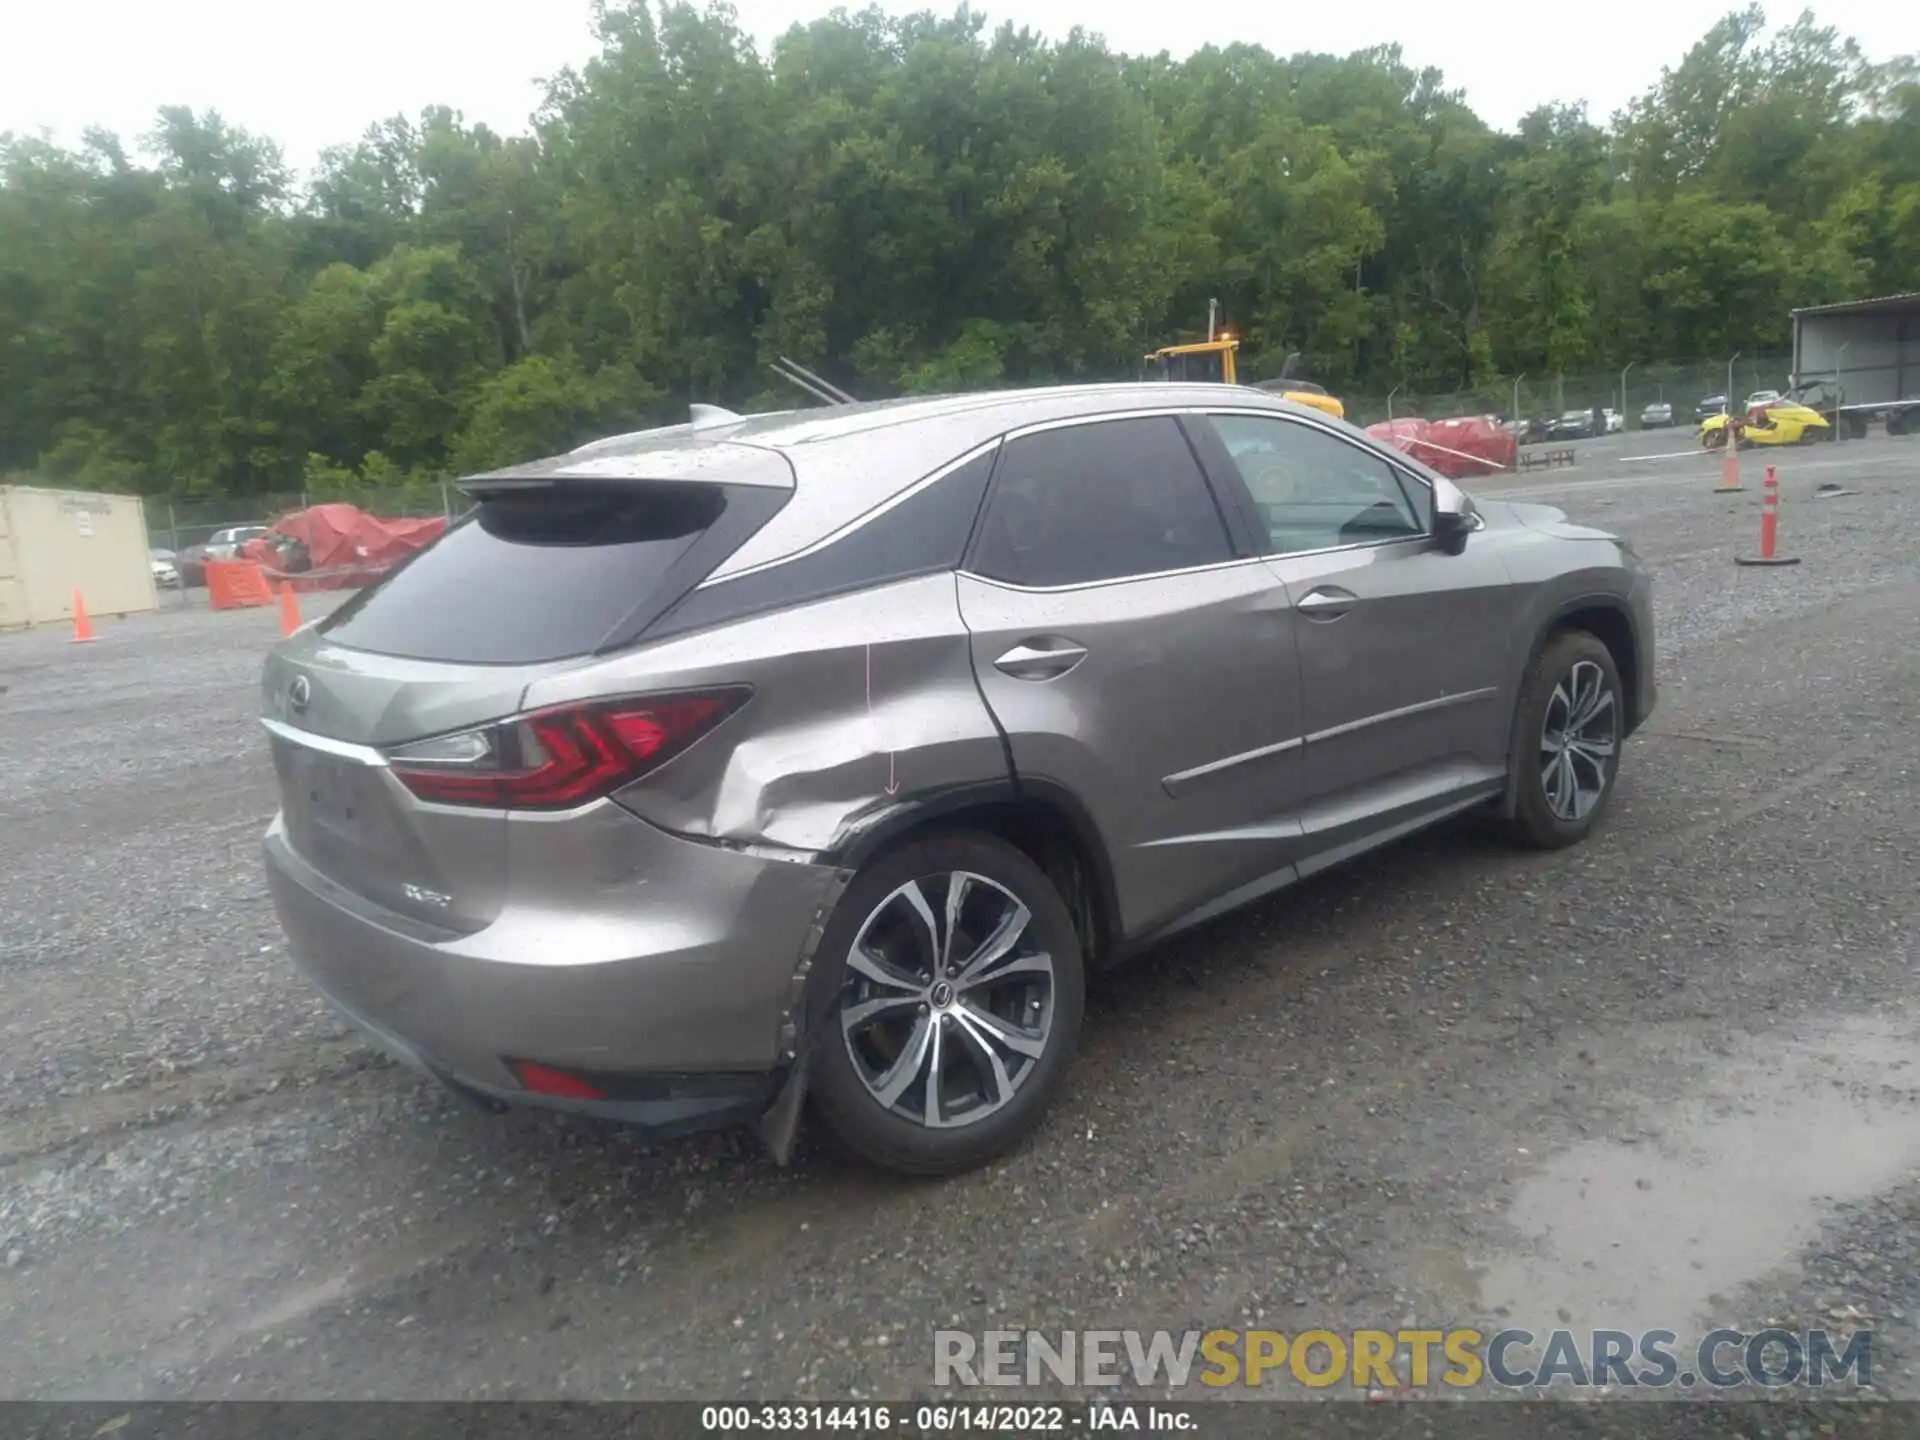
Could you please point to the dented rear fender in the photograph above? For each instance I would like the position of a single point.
(861, 705)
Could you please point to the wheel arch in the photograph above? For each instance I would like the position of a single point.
(1604, 616)
(1043, 820)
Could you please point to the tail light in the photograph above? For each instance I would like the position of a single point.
(557, 759)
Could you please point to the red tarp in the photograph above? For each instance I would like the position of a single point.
(342, 546)
(1470, 445)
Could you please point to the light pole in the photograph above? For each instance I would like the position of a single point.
(1736, 356)
(1623, 394)
(1390, 394)
(1839, 355)
(1516, 395)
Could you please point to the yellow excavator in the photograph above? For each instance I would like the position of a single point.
(1213, 362)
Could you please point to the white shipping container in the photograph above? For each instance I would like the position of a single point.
(54, 542)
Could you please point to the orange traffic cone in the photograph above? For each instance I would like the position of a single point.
(82, 627)
(1769, 528)
(289, 609)
(1730, 464)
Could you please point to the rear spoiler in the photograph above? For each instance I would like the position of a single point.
(547, 474)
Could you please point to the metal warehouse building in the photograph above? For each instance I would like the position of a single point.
(1870, 349)
(54, 542)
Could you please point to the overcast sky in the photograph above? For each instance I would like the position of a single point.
(314, 75)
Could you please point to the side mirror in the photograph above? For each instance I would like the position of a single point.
(1454, 517)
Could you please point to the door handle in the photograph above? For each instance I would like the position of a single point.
(1040, 658)
(1327, 602)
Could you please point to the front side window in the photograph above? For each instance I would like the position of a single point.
(1099, 502)
(1314, 491)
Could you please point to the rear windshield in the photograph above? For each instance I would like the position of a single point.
(547, 574)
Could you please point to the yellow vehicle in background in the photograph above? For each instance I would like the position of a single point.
(1213, 362)
(1774, 422)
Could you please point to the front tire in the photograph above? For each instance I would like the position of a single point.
(945, 1005)
(1568, 730)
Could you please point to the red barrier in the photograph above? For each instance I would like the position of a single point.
(237, 585)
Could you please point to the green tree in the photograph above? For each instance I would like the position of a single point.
(910, 203)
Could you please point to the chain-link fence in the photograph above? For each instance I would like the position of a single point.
(177, 525)
(1635, 392)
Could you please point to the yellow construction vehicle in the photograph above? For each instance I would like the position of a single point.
(1213, 362)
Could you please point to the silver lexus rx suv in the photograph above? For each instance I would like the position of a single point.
(708, 771)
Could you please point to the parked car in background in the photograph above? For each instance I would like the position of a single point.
(1573, 425)
(1529, 431)
(1709, 407)
(586, 806)
(1658, 415)
(1762, 397)
(166, 569)
(221, 545)
(1616, 422)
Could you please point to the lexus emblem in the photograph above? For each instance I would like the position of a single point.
(299, 693)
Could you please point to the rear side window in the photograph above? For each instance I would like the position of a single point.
(1099, 502)
(924, 533)
(550, 573)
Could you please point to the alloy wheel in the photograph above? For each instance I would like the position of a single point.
(949, 1001)
(1578, 740)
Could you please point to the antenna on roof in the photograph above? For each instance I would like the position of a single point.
(823, 390)
(705, 417)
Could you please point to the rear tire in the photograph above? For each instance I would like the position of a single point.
(939, 1043)
(1567, 733)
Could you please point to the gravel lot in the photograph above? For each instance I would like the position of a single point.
(1664, 1079)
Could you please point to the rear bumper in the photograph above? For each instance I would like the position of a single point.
(673, 989)
(671, 1104)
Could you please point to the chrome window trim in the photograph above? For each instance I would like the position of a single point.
(860, 521)
(1235, 563)
(986, 447)
(1423, 538)
(1106, 417)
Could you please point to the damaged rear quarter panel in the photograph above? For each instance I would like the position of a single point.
(859, 702)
